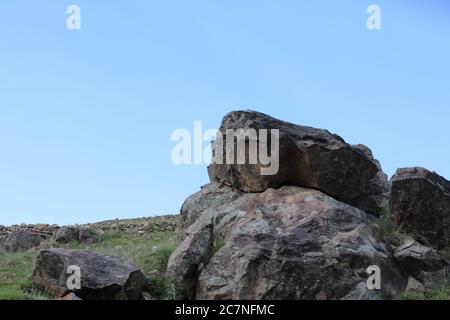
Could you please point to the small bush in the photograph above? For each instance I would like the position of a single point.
(386, 228)
(164, 255)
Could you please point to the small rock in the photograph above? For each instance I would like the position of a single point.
(71, 296)
(415, 258)
(86, 235)
(414, 285)
(66, 235)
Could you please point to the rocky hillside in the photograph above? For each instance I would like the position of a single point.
(128, 247)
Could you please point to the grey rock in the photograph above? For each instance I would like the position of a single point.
(308, 157)
(70, 297)
(66, 234)
(87, 236)
(71, 233)
(102, 277)
(21, 241)
(433, 280)
(413, 285)
(190, 256)
(415, 258)
(420, 204)
(287, 243)
(360, 292)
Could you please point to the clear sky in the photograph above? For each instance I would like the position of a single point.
(86, 115)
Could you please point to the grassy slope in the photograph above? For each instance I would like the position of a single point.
(149, 251)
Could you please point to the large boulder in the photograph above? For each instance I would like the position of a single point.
(102, 277)
(308, 157)
(286, 243)
(420, 204)
(21, 241)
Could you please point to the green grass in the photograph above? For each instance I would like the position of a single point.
(385, 224)
(15, 269)
(150, 252)
(439, 294)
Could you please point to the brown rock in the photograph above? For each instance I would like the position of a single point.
(308, 157)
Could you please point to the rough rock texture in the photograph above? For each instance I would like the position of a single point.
(308, 157)
(44, 230)
(66, 235)
(70, 233)
(70, 297)
(420, 204)
(102, 277)
(415, 258)
(287, 243)
(189, 258)
(21, 241)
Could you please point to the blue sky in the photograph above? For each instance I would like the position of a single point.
(86, 115)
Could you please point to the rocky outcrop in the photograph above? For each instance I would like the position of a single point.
(21, 241)
(308, 157)
(25, 236)
(102, 277)
(287, 243)
(420, 204)
(296, 244)
(309, 230)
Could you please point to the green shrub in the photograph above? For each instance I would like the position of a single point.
(386, 228)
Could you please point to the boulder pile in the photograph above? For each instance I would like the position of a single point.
(310, 230)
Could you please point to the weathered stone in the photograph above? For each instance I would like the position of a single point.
(415, 258)
(287, 243)
(66, 235)
(434, 280)
(21, 241)
(420, 204)
(70, 296)
(188, 259)
(308, 157)
(80, 234)
(413, 285)
(360, 292)
(87, 236)
(102, 277)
